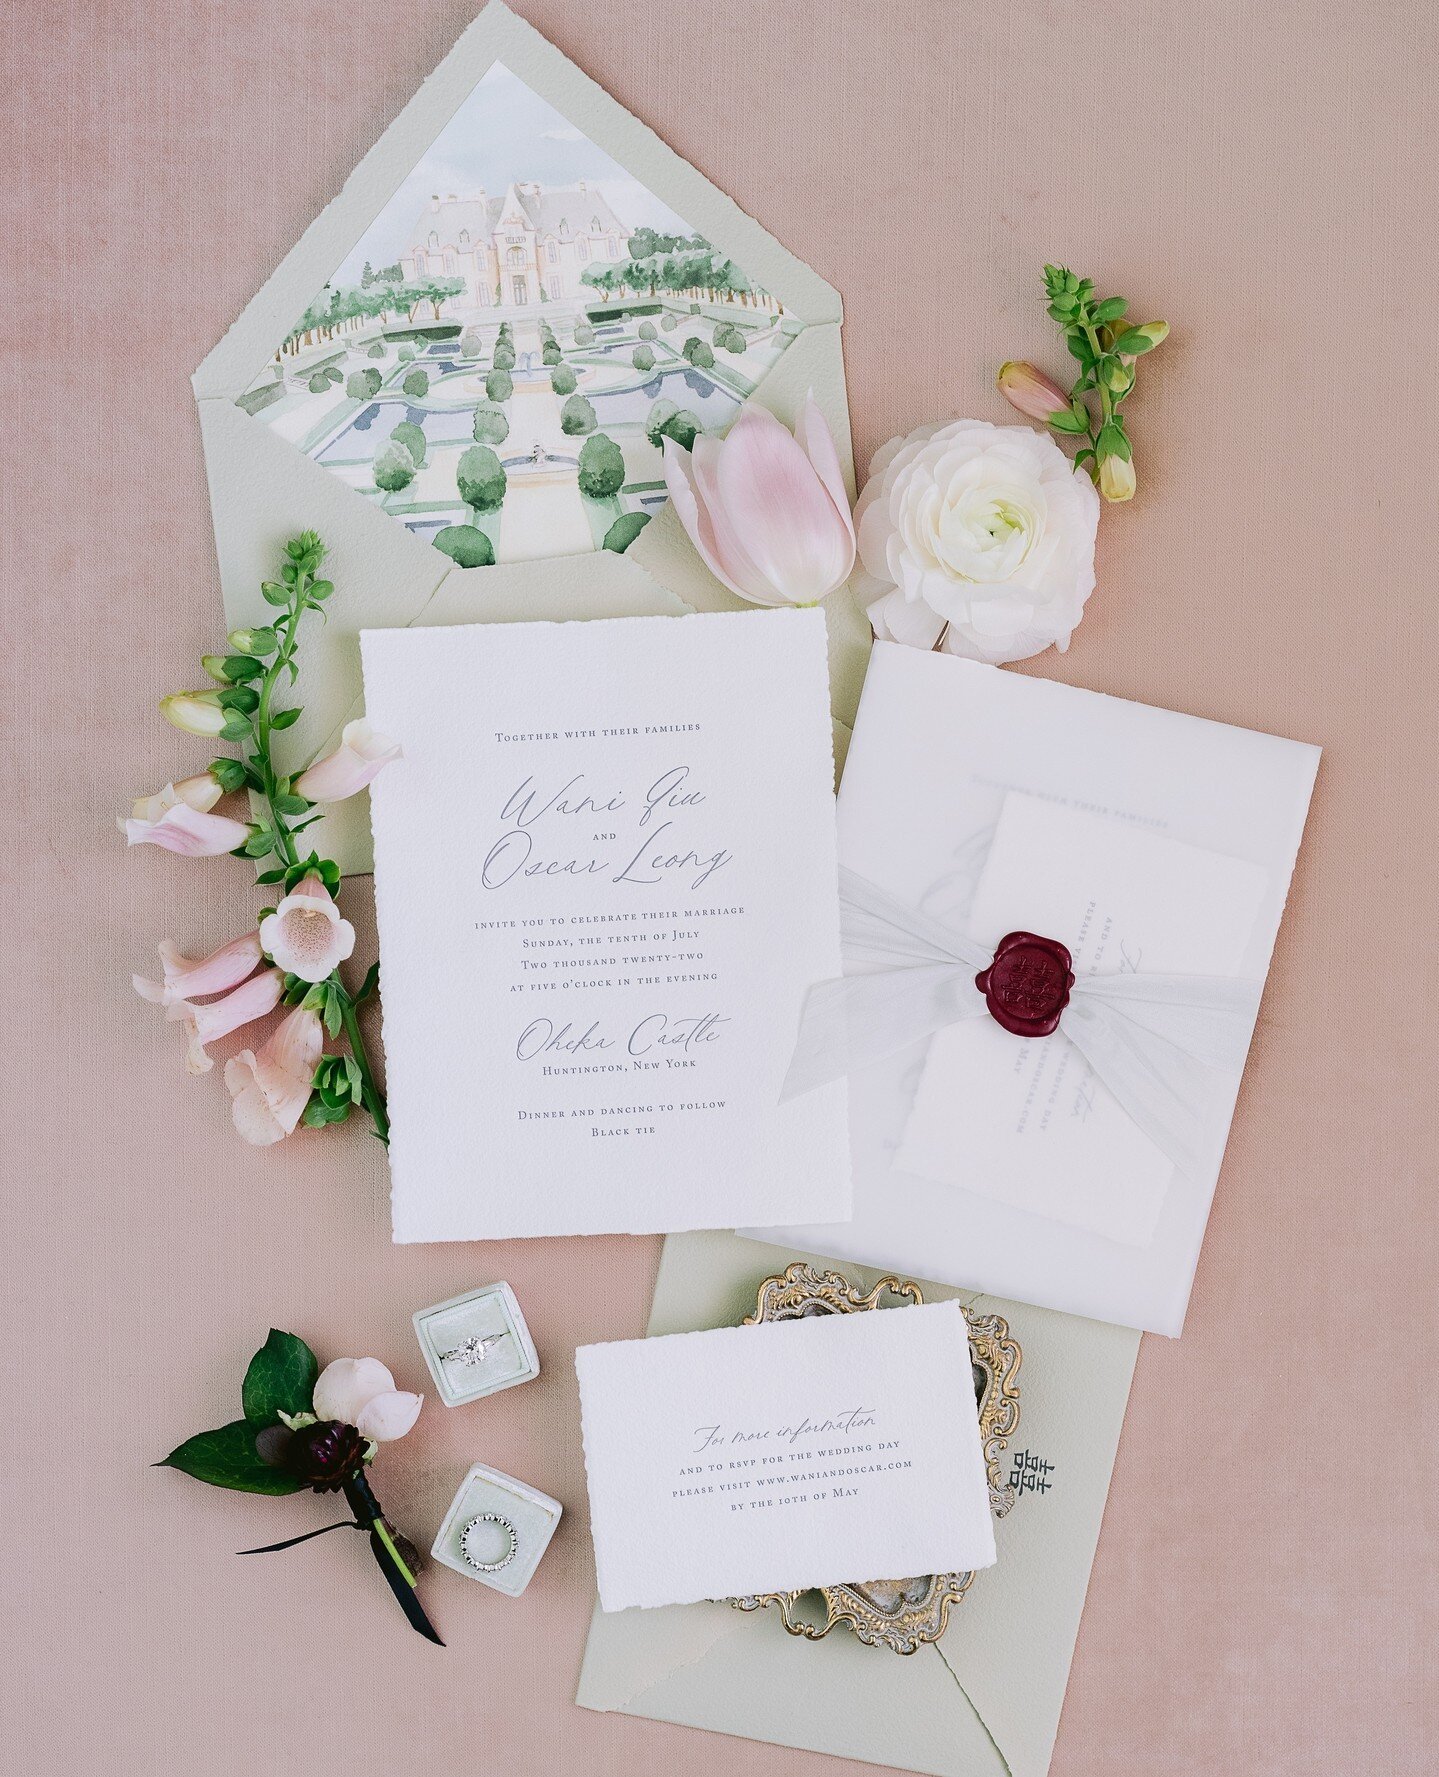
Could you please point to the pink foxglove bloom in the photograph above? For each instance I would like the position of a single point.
(200, 792)
(767, 512)
(271, 1089)
(360, 1391)
(208, 1023)
(305, 934)
(189, 831)
(197, 712)
(1031, 391)
(192, 978)
(360, 758)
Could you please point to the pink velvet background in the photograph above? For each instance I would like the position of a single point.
(1261, 177)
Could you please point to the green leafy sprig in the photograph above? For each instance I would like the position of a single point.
(262, 661)
(1105, 346)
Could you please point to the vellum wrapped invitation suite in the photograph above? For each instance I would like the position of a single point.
(778, 1457)
(604, 875)
(1066, 1152)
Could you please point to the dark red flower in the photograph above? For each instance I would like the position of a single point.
(324, 1456)
(1027, 985)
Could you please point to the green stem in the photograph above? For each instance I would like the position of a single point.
(374, 1100)
(285, 844)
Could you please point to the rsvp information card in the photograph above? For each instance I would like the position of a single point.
(604, 876)
(783, 1456)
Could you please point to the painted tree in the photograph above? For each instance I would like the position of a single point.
(417, 384)
(643, 358)
(563, 380)
(466, 545)
(602, 467)
(394, 468)
(499, 386)
(577, 417)
(363, 385)
(413, 439)
(480, 477)
(624, 531)
(490, 424)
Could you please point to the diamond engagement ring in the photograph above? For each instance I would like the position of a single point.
(475, 1534)
(471, 1352)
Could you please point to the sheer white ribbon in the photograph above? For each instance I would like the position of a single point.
(1162, 1044)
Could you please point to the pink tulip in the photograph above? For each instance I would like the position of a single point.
(190, 832)
(1031, 391)
(272, 1088)
(207, 1024)
(360, 758)
(305, 934)
(767, 512)
(360, 1391)
(192, 978)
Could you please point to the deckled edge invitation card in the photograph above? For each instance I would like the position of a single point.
(605, 875)
(777, 1457)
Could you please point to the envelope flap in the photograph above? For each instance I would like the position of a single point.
(497, 35)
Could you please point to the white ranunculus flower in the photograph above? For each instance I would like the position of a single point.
(979, 538)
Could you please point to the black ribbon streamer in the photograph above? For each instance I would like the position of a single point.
(360, 1498)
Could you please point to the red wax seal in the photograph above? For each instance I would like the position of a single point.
(1027, 985)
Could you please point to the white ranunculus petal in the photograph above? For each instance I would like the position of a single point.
(989, 529)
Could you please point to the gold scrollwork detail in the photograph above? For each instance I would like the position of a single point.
(901, 1615)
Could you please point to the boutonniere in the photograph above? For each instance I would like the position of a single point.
(293, 955)
(304, 1428)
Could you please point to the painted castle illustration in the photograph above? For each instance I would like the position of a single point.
(533, 244)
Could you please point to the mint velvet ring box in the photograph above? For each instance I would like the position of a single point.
(496, 1530)
(476, 1344)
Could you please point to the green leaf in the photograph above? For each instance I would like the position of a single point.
(237, 728)
(1064, 421)
(266, 877)
(1110, 309)
(226, 1457)
(1134, 344)
(261, 844)
(321, 590)
(274, 594)
(286, 718)
(1112, 441)
(240, 666)
(1079, 348)
(292, 805)
(369, 984)
(333, 1014)
(230, 774)
(240, 697)
(281, 1378)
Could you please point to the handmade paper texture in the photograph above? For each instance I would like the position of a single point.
(1029, 1122)
(788, 1455)
(605, 873)
(985, 1700)
(940, 744)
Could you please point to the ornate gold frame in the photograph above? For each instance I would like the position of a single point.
(898, 1614)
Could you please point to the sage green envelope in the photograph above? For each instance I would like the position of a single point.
(263, 489)
(983, 1700)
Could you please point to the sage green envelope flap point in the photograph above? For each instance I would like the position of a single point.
(984, 1699)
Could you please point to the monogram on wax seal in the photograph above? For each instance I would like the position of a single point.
(1027, 985)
